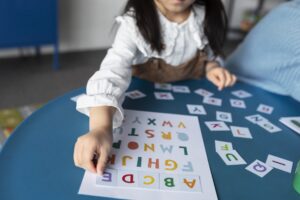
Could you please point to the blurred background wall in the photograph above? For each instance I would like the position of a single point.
(86, 24)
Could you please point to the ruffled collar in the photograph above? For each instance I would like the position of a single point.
(170, 31)
(165, 21)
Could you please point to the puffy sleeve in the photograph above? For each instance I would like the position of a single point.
(107, 86)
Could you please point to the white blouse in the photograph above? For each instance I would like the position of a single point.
(108, 85)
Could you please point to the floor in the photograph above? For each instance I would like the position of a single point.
(31, 80)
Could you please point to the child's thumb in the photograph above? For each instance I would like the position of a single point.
(102, 162)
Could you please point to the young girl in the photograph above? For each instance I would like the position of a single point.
(160, 41)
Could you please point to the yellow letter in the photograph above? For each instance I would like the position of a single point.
(171, 163)
(151, 180)
(124, 158)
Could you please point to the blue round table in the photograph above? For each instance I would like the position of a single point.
(37, 160)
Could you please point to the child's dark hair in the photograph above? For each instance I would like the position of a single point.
(147, 21)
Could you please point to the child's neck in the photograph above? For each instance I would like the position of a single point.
(174, 16)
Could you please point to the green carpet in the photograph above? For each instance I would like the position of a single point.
(10, 118)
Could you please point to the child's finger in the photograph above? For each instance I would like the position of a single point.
(233, 80)
(89, 165)
(75, 154)
(214, 80)
(102, 162)
(79, 154)
(88, 160)
(228, 78)
(221, 77)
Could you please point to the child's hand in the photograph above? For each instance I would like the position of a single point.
(97, 143)
(219, 76)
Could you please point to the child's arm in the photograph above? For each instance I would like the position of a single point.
(96, 144)
(105, 93)
(219, 76)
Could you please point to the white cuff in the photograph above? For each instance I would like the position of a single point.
(84, 102)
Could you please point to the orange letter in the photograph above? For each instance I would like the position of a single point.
(190, 184)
